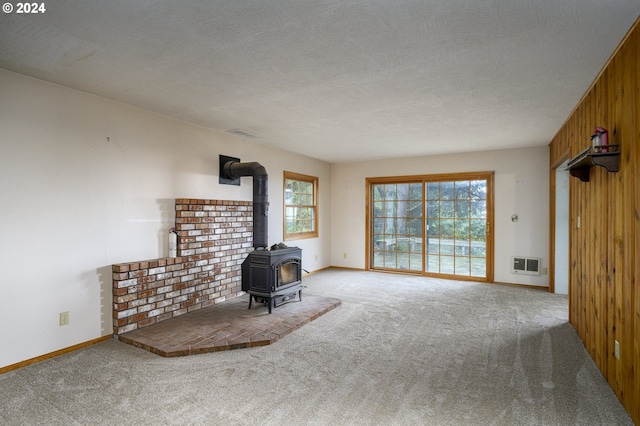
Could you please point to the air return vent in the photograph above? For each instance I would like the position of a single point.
(525, 265)
(242, 133)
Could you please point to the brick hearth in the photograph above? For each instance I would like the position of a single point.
(228, 325)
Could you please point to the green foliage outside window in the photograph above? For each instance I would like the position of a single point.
(300, 207)
(436, 226)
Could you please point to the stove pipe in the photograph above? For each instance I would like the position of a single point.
(235, 170)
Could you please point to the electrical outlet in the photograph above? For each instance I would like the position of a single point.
(316, 257)
(344, 255)
(617, 349)
(545, 271)
(64, 318)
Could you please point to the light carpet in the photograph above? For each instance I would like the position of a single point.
(400, 350)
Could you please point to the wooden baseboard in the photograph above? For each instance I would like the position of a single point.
(345, 268)
(315, 272)
(53, 354)
(533, 287)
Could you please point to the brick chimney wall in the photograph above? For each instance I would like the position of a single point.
(214, 237)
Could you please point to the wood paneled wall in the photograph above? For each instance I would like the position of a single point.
(604, 270)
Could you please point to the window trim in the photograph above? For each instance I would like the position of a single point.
(303, 178)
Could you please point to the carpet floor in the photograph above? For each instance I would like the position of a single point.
(399, 350)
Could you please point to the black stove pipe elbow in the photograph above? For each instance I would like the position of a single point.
(235, 170)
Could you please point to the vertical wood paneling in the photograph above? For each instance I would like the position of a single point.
(628, 65)
(607, 78)
(635, 407)
(604, 304)
(616, 378)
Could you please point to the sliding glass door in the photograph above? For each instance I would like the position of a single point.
(436, 225)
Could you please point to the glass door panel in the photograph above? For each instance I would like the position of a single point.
(456, 234)
(397, 226)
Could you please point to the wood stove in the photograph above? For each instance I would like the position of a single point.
(273, 276)
(269, 276)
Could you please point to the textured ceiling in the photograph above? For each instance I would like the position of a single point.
(337, 80)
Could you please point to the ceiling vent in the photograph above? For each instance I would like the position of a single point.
(242, 133)
(525, 265)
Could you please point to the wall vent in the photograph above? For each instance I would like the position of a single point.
(525, 265)
(242, 133)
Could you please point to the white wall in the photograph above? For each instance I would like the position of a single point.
(521, 187)
(86, 182)
(561, 279)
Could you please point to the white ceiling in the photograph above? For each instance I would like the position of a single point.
(337, 80)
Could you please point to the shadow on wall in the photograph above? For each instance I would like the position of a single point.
(105, 273)
(105, 278)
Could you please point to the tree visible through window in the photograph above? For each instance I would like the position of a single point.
(433, 224)
(300, 206)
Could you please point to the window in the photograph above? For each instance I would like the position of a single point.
(433, 224)
(300, 206)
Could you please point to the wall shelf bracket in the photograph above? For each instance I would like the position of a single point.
(606, 156)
